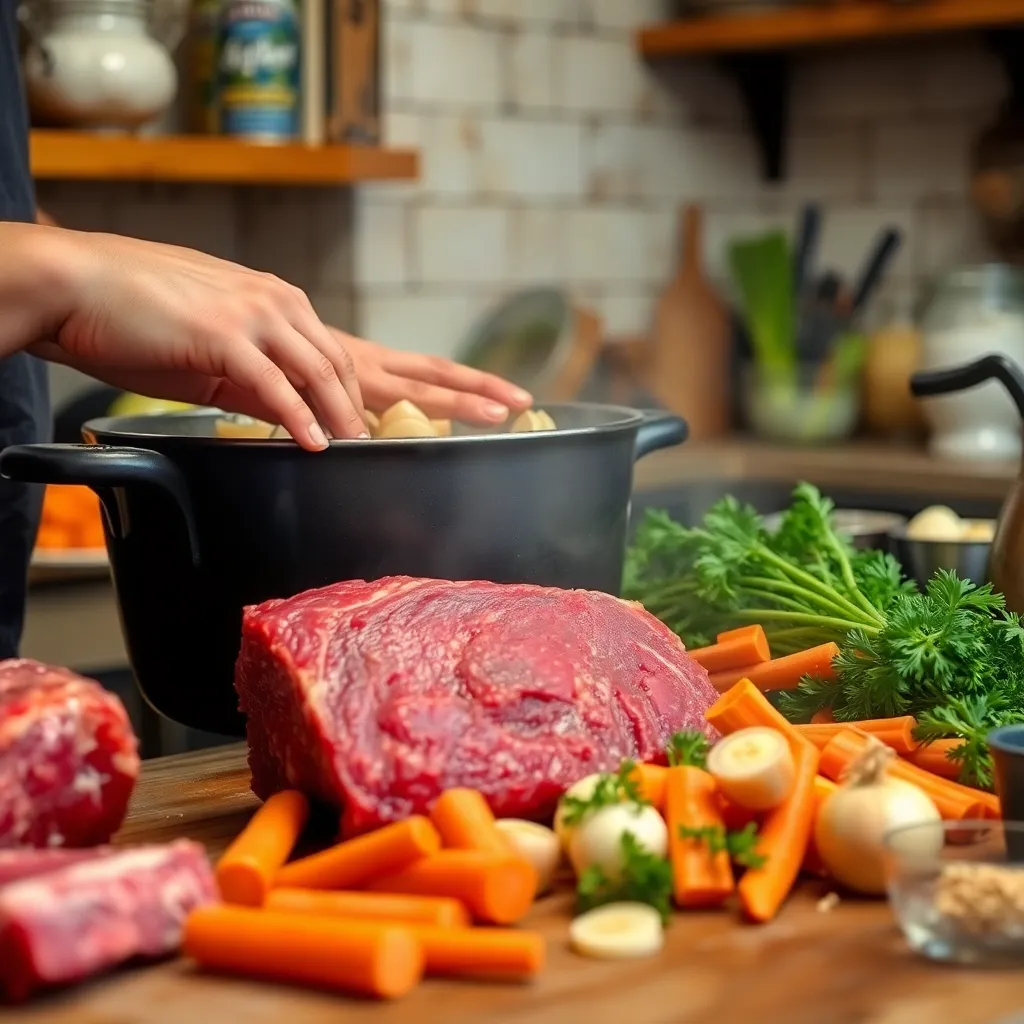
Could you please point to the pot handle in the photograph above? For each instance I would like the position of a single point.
(100, 466)
(970, 375)
(659, 429)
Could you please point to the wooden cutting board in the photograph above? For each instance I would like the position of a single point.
(690, 351)
(807, 967)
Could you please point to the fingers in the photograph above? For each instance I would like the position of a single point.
(314, 372)
(245, 366)
(446, 374)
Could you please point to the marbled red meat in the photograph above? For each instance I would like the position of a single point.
(377, 696)
(68, 758)
(26, 861)
(73, 922)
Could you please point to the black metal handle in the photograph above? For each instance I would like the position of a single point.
(970, 375)
(659, 430)
(877, 261)
(101, 467)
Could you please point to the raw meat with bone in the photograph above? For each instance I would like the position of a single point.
(377, 696)
(68, 757)
(67, 924)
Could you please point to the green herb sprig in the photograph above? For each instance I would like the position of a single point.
(645, 878)
(740, 844)
(611, 788)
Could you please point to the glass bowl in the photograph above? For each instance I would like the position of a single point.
(957, 890)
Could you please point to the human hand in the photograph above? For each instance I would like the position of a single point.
(441, 388)
(173, 323)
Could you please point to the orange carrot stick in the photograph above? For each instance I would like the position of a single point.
(464, 821)
(739, 632)
(438, 911)
(650, 781)
(496, 888)
(744, 704)
(369, 958)
(823, 717)
(736, 652)
(733, 816)
(782, 673)
(812, 862)
(246, 870)
(357, 860)
(782, 841)
(934, 757)
(954, 802)
(897, 733)
(489, 952)
(700, 878)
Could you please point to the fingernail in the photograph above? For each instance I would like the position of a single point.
(364, 436)
(495, 411)
(317, 436)
(522, 397)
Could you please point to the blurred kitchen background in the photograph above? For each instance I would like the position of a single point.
(763, 214)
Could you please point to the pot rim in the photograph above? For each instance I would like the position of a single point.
(108, 426)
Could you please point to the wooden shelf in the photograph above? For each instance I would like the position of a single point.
(824, 25)
(869, 464)
(69, 155)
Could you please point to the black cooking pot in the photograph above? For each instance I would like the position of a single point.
(199, 526)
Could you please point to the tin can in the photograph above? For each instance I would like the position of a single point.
(258, 70)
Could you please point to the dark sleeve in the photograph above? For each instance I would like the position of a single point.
(24, 400)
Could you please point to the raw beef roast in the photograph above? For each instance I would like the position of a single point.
(69, 923)
(377, 696)
(68, 758)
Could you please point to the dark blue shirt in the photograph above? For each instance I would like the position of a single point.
(24, 400)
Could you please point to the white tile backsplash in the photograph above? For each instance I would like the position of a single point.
(621, 245)
(926, 159)
(380, 244)
(537, 245)
(524, 160)
(601, 76)
(460, 245)
(532, 58)
(434, 324)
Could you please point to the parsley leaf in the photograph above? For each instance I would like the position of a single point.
(610, 788)
(741, 845)
(645, 878)
(688, 747)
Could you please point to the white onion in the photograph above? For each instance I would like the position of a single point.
(852, 822)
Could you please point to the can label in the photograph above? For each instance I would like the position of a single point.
(258, 69)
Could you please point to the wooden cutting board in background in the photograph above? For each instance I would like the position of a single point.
(690, 351)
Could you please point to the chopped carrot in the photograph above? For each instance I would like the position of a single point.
(489, 952)
(822, 717)
(733, 816)
(954, 802)
(744, 704)
(990, 804)
(365, 957)
(934, 757)
(736, 652)
(739, 633)
(439, 911)
(355, 861)
(822, 788)
(782, 841)
(246, 871)
(496, 888)
(650, 781)
(782, 673)
(464, 821)
(897, 733)
(700, 877)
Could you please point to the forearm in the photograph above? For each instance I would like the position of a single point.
(35, 271)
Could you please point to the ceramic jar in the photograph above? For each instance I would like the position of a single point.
(972, 312)
(96, 64)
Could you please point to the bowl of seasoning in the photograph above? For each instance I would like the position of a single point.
(957, 890)
(937, 538)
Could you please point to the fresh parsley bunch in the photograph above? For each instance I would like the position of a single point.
(951, 656)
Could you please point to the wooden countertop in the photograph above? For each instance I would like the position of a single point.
(807, 967)
(867, 465)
